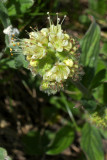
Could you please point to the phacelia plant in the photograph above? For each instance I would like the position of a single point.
(53, 55)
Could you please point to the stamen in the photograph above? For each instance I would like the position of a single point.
(36, 29)
(63, 19)
(57, 19)
(32, 29)
(11, 49)
(49, 18)
(27, 32)
(17, 52)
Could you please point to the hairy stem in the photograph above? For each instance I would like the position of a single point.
(72, 117)
(70, 112)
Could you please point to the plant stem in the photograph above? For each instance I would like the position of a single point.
(69, 112)
(83, 89)
(72, 117)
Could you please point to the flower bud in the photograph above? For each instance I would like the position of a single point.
(68, 62)
(33, 63)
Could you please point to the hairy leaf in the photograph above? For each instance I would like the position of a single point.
(63, 139)
(34, 143)
(91, 143)
(99, 77)
(90, 50)
(18, 7)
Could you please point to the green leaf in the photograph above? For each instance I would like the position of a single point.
(3, 154)
(17, 61)
(105, 92)
(63, 139)
(103, 133)
(91, 143)
(104, 48)
(18, 7)
(84, 19)
(90, 44)
(98, 79)
(20, 61)
(101, 65)
(98, 6)
(4, 16)
(89, 105)
(34, 143)
(7, 63)
(5, 20)
(92, 4)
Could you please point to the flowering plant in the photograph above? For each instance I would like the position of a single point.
(53, 55)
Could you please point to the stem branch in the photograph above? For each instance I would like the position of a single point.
(83, 89)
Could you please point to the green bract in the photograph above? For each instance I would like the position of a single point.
(53, 55)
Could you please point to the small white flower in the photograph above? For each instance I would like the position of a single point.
(33, 34)
(33, 57)
(68, 62)
(45, 31)
(65, 42)
(58, 73)
(10, 31)
(39, 44)
(15, 31)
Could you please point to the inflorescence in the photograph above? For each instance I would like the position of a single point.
(52, 54)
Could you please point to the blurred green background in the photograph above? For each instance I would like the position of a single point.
(71, 124)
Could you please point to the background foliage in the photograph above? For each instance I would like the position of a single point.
(67, 125)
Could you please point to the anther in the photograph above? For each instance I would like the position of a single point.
(11, 49)
(58, 20)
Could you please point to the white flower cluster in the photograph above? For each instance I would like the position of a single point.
(53, 55)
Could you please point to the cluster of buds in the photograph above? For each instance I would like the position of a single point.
(53, 55)
(99, 118)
